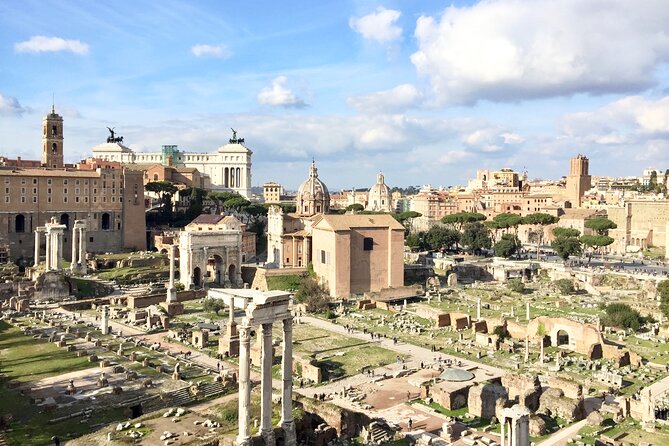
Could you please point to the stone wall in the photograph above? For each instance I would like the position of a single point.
(450, 399)
(347, 422)
(485, 399)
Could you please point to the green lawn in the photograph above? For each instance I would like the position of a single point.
(338, 355)
(284, 283)
(26, 359)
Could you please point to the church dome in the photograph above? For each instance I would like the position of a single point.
(313, 196)
(379, 198)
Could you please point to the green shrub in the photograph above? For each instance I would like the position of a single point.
(516, 285)
(565, 286)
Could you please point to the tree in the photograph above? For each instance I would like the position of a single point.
(663, 291)
(596, 242)
(313, 295)
(600, 225)
(565, 286)
(508, 220)
(458, 220)
(213, 305)
(475, 237)
(406, 218)
(566, 246)
(566, 232)
(355, 207)
(539, 220)
(414, 241)
(165, 190)
(623, 316)
(195, 197)
(507, 246)
(516, 285)
(440, 237)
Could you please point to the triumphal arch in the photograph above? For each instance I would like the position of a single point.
(210, 252)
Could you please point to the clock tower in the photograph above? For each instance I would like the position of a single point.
(52, 140)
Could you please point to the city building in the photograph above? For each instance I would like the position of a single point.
(272, 192)
(356, 254)
(289, 234)
(579, 180)
(109, 198)
(229, 167)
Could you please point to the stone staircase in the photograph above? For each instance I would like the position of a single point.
(182, 397)
(3, 442)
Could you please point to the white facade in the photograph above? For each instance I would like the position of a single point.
(229, 167)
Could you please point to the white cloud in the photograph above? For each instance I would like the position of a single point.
(396, 99)
(379, 26)
(220, 51)
(455, 157)
(10, 106)
(41, 44)
(279, 95)
(507, 50)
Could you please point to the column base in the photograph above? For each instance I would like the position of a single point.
(289, 435)
(173, 308)
(243, 441)
(268, 437)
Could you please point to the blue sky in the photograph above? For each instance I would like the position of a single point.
(425, 91)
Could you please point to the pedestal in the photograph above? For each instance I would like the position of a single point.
(229, 343)
(173, 308)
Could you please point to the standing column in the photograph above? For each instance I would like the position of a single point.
(171, 290)
(294, 257)
(82, 248)
(47, 258)
(75, 239)
(266, 429)
(502, 426)
(38, 232)
(478, 309)
(59, 258)
(287, 423)
(244, 431)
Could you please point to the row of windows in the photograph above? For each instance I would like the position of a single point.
(105, 222)
(77, 199)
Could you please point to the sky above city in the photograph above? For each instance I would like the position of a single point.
(425, 91)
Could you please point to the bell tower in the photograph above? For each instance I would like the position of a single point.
(52, 140)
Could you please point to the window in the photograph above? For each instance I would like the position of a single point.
(48, 181)
(7, 199)
(322, 256)
(34, 190)
(23, 190)
(48, 190)
(106, 222)
(90, 239)
(368, 244)
(64, 182)
(23, 181)
(34, 199)
(64, 199)
(6, 190)
(65, 190)
(34, 180)
(76, 182)
(23, 199)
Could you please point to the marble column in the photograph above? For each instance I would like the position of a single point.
(171, 290)
(82, 248)
(541, 354)
(104, 321)
(75, 251)
(38, 237)
(59, 258)
(478, 309)
(287, 423)
(47, 259)
(294, 253)
(244, 429)
(266, 429)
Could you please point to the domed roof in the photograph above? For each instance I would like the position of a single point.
(313, 187)
(456, 375)
(380, 188)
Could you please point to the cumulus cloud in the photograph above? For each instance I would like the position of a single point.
(507, 50)
(219, 51)
(379, 26)
(394, 100)
(10, 106)
(43, 44)
(278, 94)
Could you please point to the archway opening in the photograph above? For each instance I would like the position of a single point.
(216, 270)
(105, 222)
(20, 223)
(65, 220)
(197, 276)
(562, 337)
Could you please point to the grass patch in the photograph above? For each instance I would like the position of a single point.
(289, 282)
